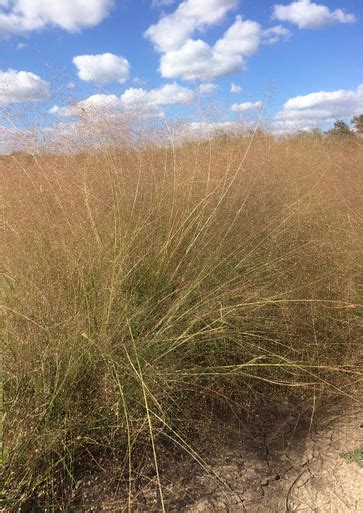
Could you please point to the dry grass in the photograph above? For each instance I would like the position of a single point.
(141, 282)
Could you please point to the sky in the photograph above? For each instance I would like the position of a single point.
(299, 63)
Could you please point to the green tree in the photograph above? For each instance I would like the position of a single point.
(341, 129)
(357, 122)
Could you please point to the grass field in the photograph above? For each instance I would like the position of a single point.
(147, 289)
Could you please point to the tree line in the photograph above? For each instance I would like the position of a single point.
(341, 128)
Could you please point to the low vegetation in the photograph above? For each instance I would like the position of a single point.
(355, 456)
(148, 289)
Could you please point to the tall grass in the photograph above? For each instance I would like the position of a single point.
(142, 285)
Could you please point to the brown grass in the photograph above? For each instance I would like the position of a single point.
(138, 279)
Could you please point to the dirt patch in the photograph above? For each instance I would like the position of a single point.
(309, 475)
(284, 466)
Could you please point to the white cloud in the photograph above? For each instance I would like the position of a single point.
(202, 129)
(133, 99)
(235, 88)
(102, 68)
(100, 102)
(274, 34)
(207, 88)
(307, 14)
(317, 109)
(196, 60)
(172, 31)
(97, 104)
(169, 94)
(21, 86)
(23, 16)
(206, 12)
(162, 3)
(242, 38)
(244, 107)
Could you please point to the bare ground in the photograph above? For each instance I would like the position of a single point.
(286, 465)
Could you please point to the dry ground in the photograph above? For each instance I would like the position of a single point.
(285, 466)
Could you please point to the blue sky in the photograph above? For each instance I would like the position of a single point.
(302, 57)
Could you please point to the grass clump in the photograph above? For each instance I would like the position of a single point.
(355, 456)
(144, 285)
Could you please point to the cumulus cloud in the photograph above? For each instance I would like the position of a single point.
(207, 88)
(235, 88)
(317, 109)
(196, 60)
(169, 94)
(242, 38)
(307, 14)
(95, 105)
(21, 86)
(133, 99)
(23, 16)
(173, 30)
(203, 129)
(244, 107)
(102, 68)
(274, 34)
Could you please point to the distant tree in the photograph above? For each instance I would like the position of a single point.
(341, 129)
(357, 123)
(222, 136)
(313, 134)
